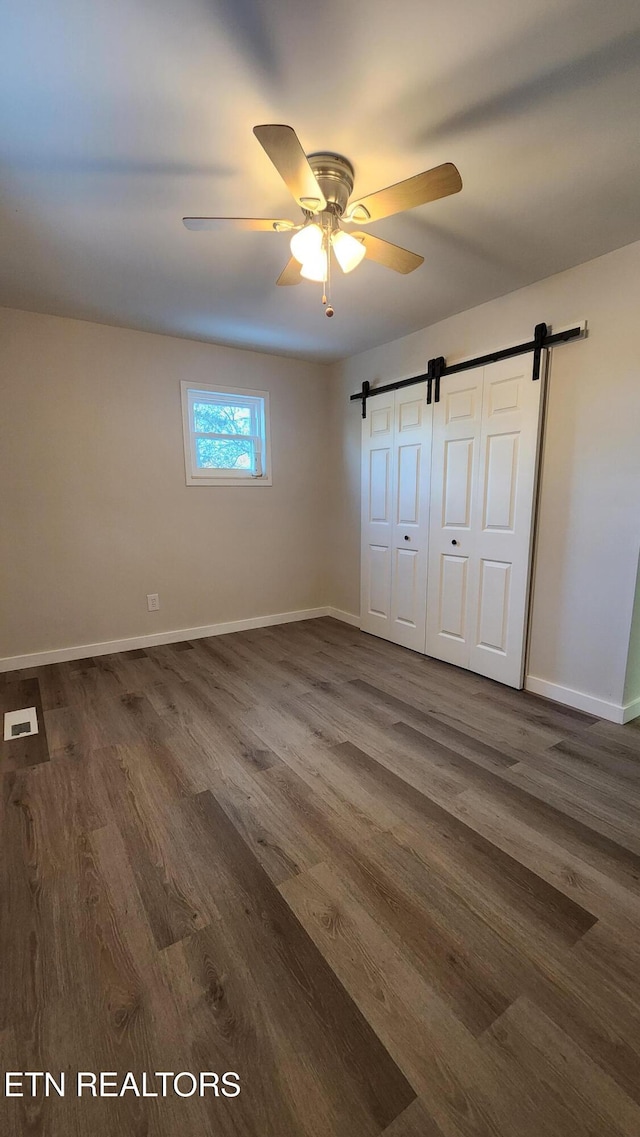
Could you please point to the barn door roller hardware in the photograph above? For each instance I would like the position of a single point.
(437, 367)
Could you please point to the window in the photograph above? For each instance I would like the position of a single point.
(226, 436)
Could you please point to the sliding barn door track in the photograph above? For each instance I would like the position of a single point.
(437, 367)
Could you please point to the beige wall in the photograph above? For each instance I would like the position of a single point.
(590, 510)
(632, 678)
(94, 508)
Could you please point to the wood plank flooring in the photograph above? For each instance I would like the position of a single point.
(396, 898)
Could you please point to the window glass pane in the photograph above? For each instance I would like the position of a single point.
(216, 419)
(224, 454)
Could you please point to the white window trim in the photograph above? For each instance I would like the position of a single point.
(206, 478)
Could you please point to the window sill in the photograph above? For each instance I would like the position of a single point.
(231, 481)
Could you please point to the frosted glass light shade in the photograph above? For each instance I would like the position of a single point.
(315, 267)
(349, 252)
(306, 242)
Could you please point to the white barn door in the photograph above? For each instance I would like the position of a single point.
(457, 424)
(377, 528)
(411, 499)
(395, 519)
(485, 456)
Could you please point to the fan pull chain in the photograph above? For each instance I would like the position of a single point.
(324, 283)
(326, 299)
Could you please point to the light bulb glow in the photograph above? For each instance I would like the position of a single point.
(315, 267)
(306, 242)
(349, 251)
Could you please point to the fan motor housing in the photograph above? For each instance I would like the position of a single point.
(334, 174)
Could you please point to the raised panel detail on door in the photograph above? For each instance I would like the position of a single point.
(408, 484)
(406, 586)
(379, 579)
(379, 495)
(453, 597)
(503, 395)
(461, 404)
(501, 473)
(410, 415)
(380, 421)
(458, 470)
(493, 605)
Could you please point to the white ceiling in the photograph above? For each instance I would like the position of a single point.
(121, 116)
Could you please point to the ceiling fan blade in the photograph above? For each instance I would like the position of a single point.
(428, 186)
(283, 147)
(391, 256)
(290, 273)
(264, 224)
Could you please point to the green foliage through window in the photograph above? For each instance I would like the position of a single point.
(211, 418)
(224, 453)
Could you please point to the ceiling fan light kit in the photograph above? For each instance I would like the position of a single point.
(349, 251)
(322, 184)
(307, 241)
(316, 267)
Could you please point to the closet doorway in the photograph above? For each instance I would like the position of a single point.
(448, 509)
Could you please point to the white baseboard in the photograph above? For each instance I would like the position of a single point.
(82, 651)
(631, 710)
(346, 617)
(614, 712)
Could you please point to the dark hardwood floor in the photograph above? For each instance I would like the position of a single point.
(394, 897)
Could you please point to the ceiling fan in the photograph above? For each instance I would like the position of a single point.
(322, 184)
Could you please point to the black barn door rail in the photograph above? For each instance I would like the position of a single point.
(436, 368)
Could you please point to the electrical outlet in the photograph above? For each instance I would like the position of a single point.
(153, 601)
